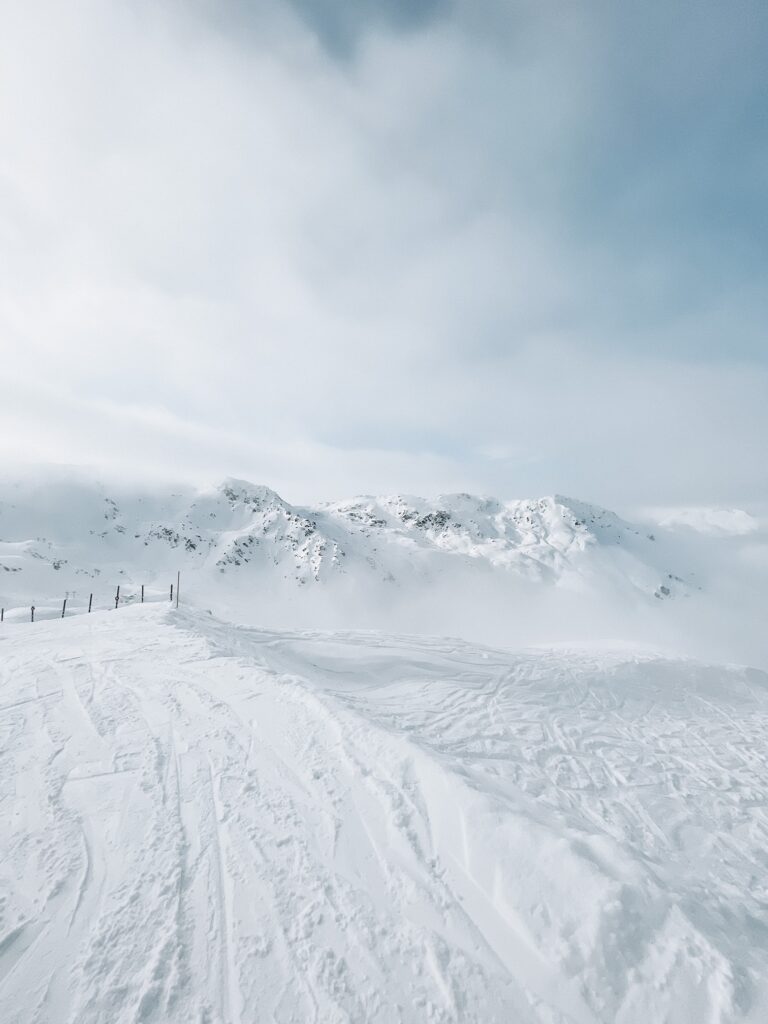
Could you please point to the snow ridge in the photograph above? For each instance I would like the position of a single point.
(63, 537)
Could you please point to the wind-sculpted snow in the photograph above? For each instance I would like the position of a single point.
(208, 823)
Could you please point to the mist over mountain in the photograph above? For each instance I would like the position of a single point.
(438, 692)
(510, 572)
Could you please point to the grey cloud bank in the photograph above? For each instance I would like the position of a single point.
(389, 247)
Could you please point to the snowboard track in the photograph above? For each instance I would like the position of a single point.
(227, 825)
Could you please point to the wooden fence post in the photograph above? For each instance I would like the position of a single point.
(142, 593)
(90, 602)
(171, 593)
(2, 614)
(117, 596)
(63, 607)
(33, 613)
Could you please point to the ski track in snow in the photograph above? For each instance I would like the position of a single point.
(208, 823)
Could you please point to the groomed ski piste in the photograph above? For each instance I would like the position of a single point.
(222, 824)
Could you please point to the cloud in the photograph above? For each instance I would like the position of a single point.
(339, 24)
(730, 522)
(340, 28)
(516, 250)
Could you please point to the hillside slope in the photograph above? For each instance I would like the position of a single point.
(77, 537)
(221, 824)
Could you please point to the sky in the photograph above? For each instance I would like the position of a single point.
(389, 246)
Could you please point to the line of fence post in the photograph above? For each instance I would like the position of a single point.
(2, 614)
(117, 600)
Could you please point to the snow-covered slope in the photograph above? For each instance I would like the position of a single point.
(551, 540)
(208, 823)
(76, 538)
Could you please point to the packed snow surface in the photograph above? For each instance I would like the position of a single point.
(217, 824)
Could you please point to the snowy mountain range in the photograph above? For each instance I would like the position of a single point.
(224, 813)
(77, 537)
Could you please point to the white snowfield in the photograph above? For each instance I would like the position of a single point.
(218, 824)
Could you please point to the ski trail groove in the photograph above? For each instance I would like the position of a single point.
(225, 825)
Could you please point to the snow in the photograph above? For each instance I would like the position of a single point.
(210, 822)
(79, 536)
(509, 573)
(208, 817)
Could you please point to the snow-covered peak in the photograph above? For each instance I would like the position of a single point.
(65, 536)
(244, 492)
(540, 537)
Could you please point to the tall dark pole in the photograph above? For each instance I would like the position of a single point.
(33, 613)
(63, 607)
(178, 583)
(90, 602)
(142, 593)
(117, 596)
